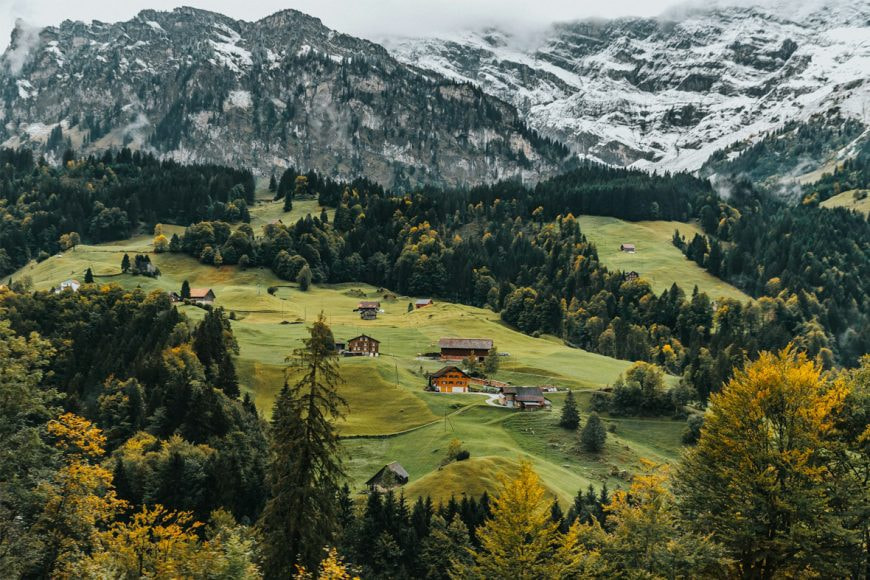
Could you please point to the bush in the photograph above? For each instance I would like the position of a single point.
(692, 431)
(463, 455)
(600, 401)
(594, 434)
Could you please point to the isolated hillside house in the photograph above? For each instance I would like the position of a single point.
(70, 284)
(202, 295)
(423, 303)
(363, 345)
(368, 309)
(631, 276)
(449, 380)
(462, 348)
(390, 476)
(174, 297)
(628, 248)
(524, 398)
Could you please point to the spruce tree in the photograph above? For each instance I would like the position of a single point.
(570, 416)
(89, 276)
(185, 290)
(594, 434)
(125, 263)
(305, 472)
(288, 201)
(273, 184)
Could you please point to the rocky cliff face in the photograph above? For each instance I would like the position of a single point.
(197, 86)
(666, 93)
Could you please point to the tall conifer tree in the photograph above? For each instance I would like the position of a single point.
(305, 472)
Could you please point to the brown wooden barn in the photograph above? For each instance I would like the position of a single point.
(461, 348)
(525, 398)
(388, 477)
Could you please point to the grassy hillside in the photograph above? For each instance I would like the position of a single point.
(849, 200)
(390, 417)
(656, 259)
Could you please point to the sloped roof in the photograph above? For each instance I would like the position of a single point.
(364, 336)
(199, 292)
(423, 301)
(468, 343)
(369, 304)
(627, 246)
(525, 394)
(445, 370)
(394, 467)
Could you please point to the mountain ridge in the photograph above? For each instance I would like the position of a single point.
(195, 85)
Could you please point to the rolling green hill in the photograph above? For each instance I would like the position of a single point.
(657, 260)
(390, 417)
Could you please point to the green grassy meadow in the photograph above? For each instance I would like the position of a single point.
(657, 260)
(390, 417)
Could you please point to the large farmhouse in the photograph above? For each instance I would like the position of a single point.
(462, 348)
(363, 345)
(449, 380)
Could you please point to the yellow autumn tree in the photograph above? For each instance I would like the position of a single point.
(759, 478)
(331, 568)
(647, 536)
(520, 540)
(79, 500)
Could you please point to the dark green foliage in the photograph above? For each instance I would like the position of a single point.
(125, 263)
(692, 432)
(214, 345)
(89, 276)
(304, 278)
(594, 434)
(570, 418)
(124, 360)
(185, 290)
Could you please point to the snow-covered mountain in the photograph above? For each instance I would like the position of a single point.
(286, 90)
(667, 92)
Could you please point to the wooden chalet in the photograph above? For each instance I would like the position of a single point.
(423, 303)
(462, 348)
(449, 380)
(363, 345)
(628, 248)
(524, 398)
(368, 309)
(388, 477)
(202, 295)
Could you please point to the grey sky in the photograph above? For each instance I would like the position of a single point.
(368, 18)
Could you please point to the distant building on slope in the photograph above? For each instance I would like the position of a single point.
(70, 284)
(462, 348)
(388, 477)
(631, 276)
(449, 380)
(627, 248)
(423, 303)
(202, 295)
(368, 309)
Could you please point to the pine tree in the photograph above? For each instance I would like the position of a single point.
(125, 263)
(185, 290)
(445, 544)
(570, 416)
(305, 471)
(89, 276)
(288, 201)
(594, 434)
(273, 184)
(304, 278)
